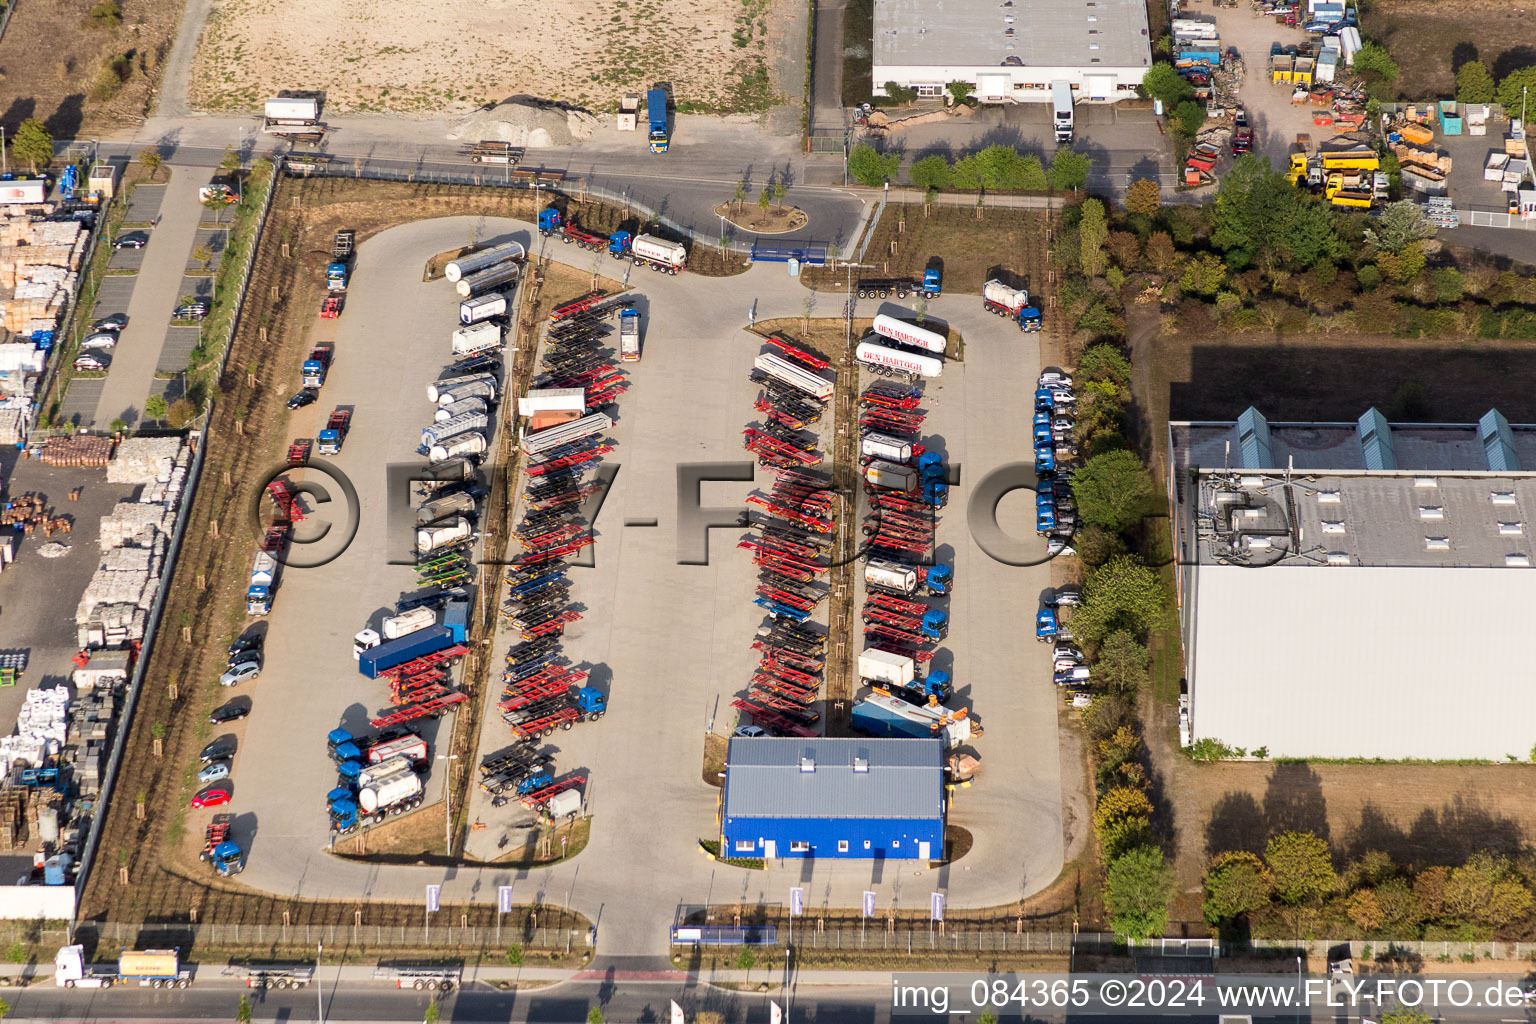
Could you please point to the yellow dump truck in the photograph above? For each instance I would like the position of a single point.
(1347, 191)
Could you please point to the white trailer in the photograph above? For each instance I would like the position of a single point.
(659, 253)
(447, 390)
(891, 476)
(482, 307)
(889, 359)
(910, 334)
(476, 338)
(463, 405)
(796, 377)
(467, 264)
(884, 667)
(436, 538)
(565, 433)
(457, 447)
(462, 424)
(396, 626)
(539, 400)
(629, 334)
(1061, 110)
(884, 446)
(291, 110)
(27, 192)
(398, 792)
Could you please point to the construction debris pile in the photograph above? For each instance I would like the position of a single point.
(525, 123)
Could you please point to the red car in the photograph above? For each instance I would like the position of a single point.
(211, 798)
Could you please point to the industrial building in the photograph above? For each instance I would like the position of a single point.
(833, 798)
(1357, 589)
(1011, 51)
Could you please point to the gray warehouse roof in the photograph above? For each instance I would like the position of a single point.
(834, 778)
(1034, 33)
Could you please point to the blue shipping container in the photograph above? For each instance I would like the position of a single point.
(407, 648)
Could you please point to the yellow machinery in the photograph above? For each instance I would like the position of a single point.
(1343, 190)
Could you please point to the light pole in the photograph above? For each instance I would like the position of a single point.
(1298, 990)
(319, 989)
(448, 804)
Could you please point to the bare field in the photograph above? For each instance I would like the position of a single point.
(456, 55)
(53, 58)
(1430, 38)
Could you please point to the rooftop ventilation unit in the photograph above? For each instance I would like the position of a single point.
(1329, 497)
(1511, 530)
(1431, 512)
(1437, 543)
(1252, 481)
(1425, 481)
(861, 764)
(1332, 527)
(1376, 440)
(1338, 558)
(1498, 442)
(1502, 497)
(807, 764)
(1517, 561)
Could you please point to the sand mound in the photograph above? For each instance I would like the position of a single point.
(534, 125)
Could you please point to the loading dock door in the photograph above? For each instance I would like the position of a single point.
(1101, 87)
(992, 88)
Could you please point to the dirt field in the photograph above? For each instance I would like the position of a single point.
(1430, 38)
(166, 882)
(1002, 243)
(52, 57)
(456, 55)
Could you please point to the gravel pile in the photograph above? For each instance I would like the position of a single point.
(532, 125)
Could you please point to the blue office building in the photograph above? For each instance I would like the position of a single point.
(834, 798)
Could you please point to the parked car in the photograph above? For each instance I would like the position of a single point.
(218, 750)
(211, 798)
(1066, 598)
(91, 361)
(240, 673)
(303, 398)
(231, 712)
(194, 310)
(244, 657)
(114, 322)
(131, 240)
(245, 642)
(104, 342)
(213, 773)
(751, 732)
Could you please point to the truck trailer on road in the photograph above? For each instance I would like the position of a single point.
(152, 968)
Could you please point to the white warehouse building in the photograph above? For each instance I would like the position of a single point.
(1357, 589)
(1012, 50)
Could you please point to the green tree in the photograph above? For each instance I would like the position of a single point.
(999, 167)
(1204, 275)
(1407, 1017)
(739, 196)
(156, 407)
(1236, 883)
(1189, 116)
(1253, 203)
(961, 91)
(5, 1009)
(595, 1016)
(1307, 233)
(1364, 910)
(243, 1010)
(514, 955)
(433, 1014)
(871, 168)
(1120, 594)
(1137, 887)
(778, 190)
(1399, 226)
(1069, 170)
(230, 162)
(1302, 867)
(1112, 490)
(149, 158)
(1092, 231)
(1486, 889)
(1161, 252)
(33, 143)
(1473, 83)
(1123, 662)
(107, 14)
(1375, 57)
(931, 172)
(745, 961)
(1164, 83)
(1145, 196)
(180, 413)
(1448, 283)
(765, 197)
(1514, 87)
(1104, 362)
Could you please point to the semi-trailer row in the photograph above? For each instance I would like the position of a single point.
(643, 250)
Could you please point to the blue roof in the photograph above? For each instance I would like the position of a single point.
(834, 778)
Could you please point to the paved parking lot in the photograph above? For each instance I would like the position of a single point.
(669, 642)
(176, 349)
(126, 259)
(113, 296)
(144, 207)
(1276, 121)
(38, 595)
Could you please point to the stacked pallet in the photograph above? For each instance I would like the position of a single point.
(13, 819)
(14, 417)
(40, 729)
(134, 524)
(76, 450)
(93, 719)
(144, 460)
(39, 265)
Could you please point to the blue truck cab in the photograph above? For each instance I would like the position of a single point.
(228, 859)
(1029, 319)
(549, 220)
(347, 773)
(1045, 624)
(1045, 519)
(618, 244)
(343, 813)
(591, 702)
(932, 282)
(1045, 401)
(940, 578)
(937, 685)
(1045, 458)
(342, 746)
(935, 483)
(935, 624)
(535, 782)
(656, 113)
